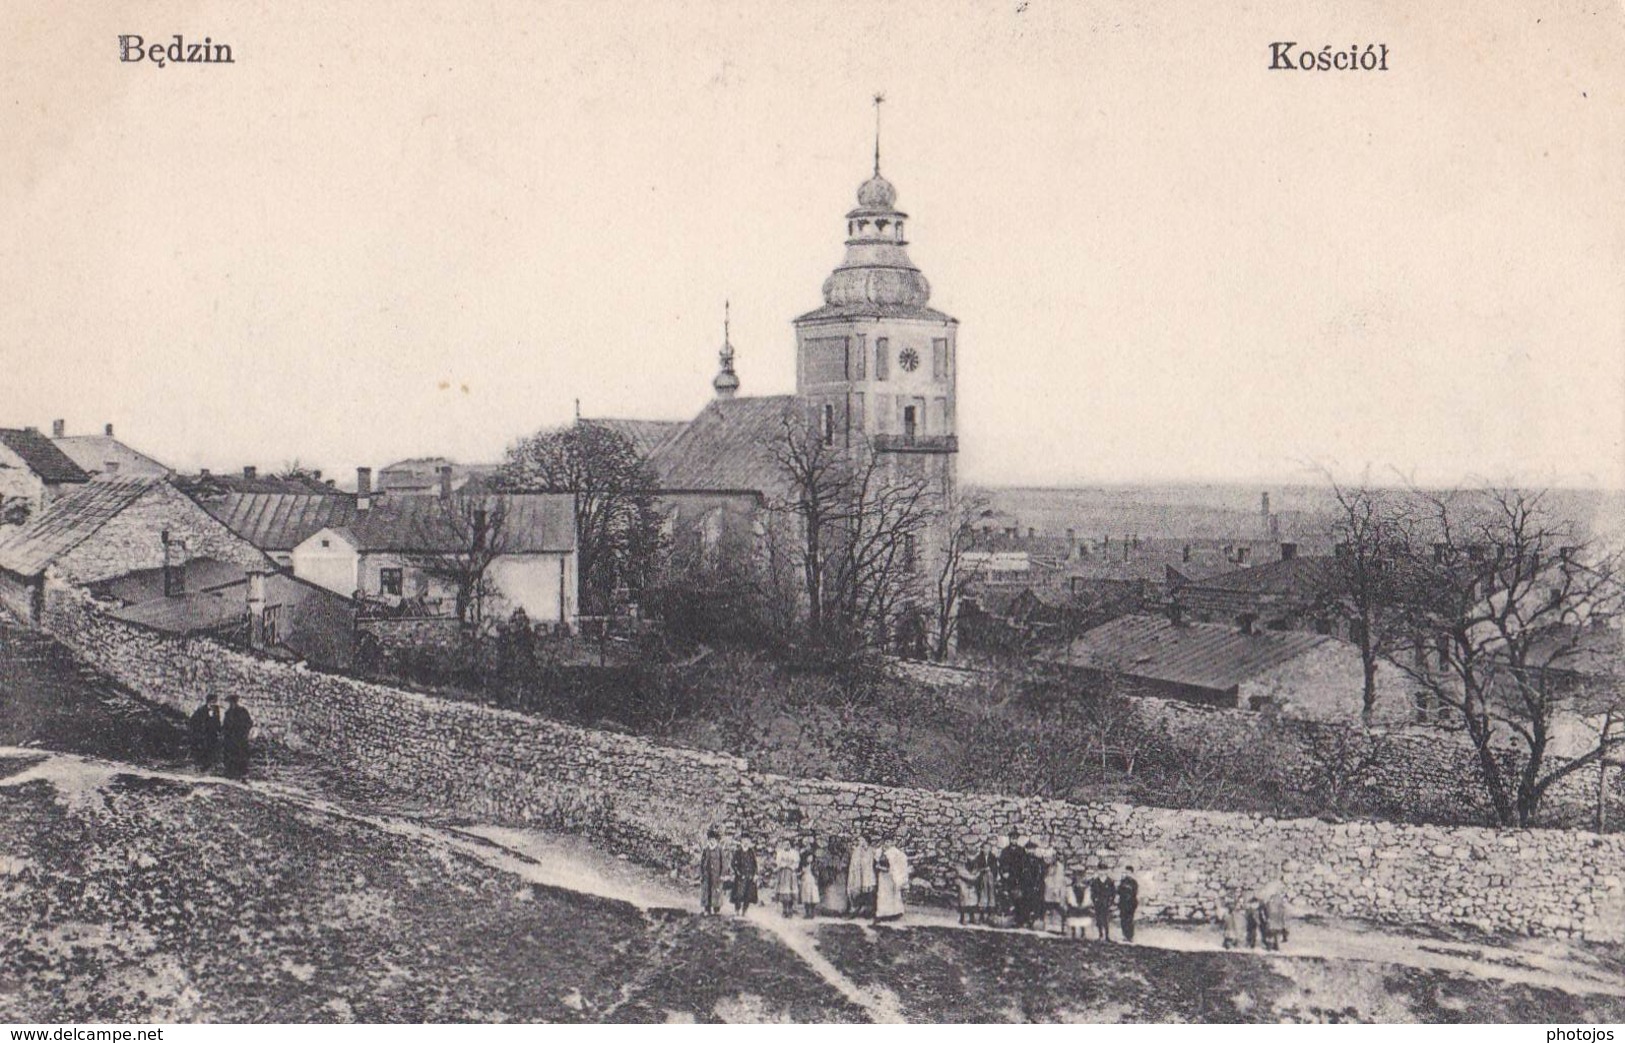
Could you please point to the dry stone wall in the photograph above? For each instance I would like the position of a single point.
(653, 802)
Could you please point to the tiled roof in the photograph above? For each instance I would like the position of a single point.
(727, 448)
(42, 456)
(1201, 655)
(209, 486)
(868, 310)
(531, 523)
(69, 522)
(647, 436)
(279, 521)
(94, 452)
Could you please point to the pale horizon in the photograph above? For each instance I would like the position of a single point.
(1191, 270)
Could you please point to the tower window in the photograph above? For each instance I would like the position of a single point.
(909, 425)
(829, 425)
(882, 358)
(939, 359)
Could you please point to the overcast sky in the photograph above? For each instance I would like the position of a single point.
(398, 229)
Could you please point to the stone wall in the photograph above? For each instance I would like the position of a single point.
(653, 802)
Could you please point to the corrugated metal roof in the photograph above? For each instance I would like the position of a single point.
(728, 447)
(1197, 654)
(69, 522)
(280, 521)
(42, 456)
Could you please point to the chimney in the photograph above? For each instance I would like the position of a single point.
(174, 565)
(108, 430)
(316, 475)
(330, 483)
(1289, 551)
(32, 430)
(363, 481)
(1246, 622)
(203, 472)
(251, 472)
(445, 481)
(256, 610)
(59, 428)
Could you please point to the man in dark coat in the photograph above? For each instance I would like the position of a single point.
(1128, 900)
(1011, 860)
(711, 873)
(1032, 885)
(234, 730)
(743, 865)
(1102, 892)
(204, 731)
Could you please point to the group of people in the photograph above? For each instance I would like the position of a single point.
(826, 878)
(1257, 917)
(1014, 882)
(224, 739)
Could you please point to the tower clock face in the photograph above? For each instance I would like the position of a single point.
(909, 359)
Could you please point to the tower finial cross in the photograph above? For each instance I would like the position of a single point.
(879, 99)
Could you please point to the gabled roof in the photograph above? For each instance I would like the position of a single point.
(531, 523)
(280, 521)
(42, 455)
(69, 522)
(1201, 655)
(1303, 577)
(94, 452)
(646, 436)
(727, 448)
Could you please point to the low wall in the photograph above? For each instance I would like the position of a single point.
(653, 802)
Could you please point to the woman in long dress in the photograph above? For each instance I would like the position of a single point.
(1055, 888)
(744, 870)
(891, 883)
(969, 899)
(860, 877)
(832, 870)
(809, 883)
(786, 879)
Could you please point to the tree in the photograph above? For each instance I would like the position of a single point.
(618, 525)
(1501, 614)
(954, 575)
(467, 533)
(1364, 591)
(860, 518)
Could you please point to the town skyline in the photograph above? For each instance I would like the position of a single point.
(321, 282)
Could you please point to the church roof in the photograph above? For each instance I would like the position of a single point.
(727, 448)
(873, 310)
(646, 436)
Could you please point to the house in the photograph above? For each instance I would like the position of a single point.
(1290, 593)
(407, 554)
(277, 522)
(111, 527)
(430, 476)
(34, 472)
(271, 612)
(104, 454)
(1303, 675)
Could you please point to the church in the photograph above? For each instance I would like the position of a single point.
(876, 369)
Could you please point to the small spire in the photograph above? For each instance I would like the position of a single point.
(726, 383)
(879, 98)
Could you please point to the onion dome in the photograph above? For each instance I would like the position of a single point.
(726, 383)
(876, 269)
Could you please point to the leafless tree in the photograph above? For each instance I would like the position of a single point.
(861, 518)
(954, 575)
(618, 526)
(1503, 611)
(1372, 525)
(461, 537)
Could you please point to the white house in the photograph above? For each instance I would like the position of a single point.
(404, 553)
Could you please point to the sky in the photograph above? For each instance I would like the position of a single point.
(404, 229)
